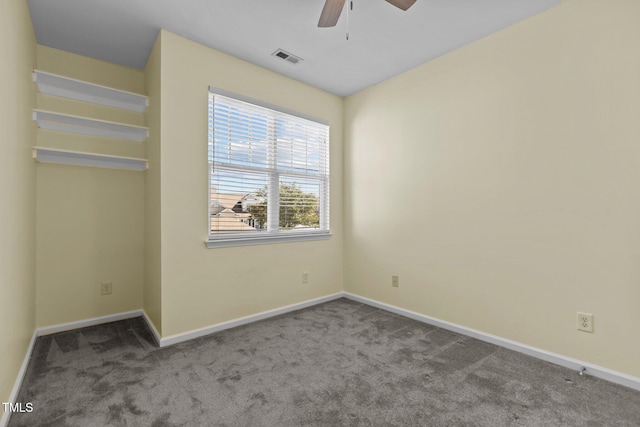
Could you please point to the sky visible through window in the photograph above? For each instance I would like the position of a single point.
(241, 138)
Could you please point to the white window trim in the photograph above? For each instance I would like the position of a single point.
(268, 238)
(264, 238)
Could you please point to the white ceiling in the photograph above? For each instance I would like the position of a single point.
(384, 41)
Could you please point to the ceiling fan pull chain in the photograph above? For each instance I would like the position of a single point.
(350, 7)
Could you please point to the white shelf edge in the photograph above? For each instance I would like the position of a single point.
(87, 126)
(54, 84)
(79, 158)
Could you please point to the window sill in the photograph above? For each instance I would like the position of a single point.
(225, 242)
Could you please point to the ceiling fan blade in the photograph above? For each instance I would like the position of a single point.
(330, 13)
(402, 4)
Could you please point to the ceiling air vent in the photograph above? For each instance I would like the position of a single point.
(287, 56)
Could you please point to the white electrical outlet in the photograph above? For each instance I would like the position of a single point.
(395, 281)
(106, 288)
(585, 322)
(305, 277)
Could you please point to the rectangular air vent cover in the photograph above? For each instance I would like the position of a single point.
(287, 56)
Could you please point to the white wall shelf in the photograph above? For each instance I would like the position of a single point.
(53, 84)
(77, 158)
(86, 126)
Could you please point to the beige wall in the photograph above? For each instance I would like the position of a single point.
(500, 182)
(17, 191)
(152, 291)
(202, 287)
(89, 221)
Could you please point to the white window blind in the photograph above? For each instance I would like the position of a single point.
(269, 174)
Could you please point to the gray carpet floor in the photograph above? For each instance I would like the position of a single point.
(340, 363)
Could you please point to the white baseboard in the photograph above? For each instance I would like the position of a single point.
(558, 359)
(156, 335)
(47, 330)
(161, 341)
(4, 420)
(186, 336)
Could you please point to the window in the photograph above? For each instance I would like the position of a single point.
(268, 173)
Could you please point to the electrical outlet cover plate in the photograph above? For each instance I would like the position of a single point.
(395, 281)
(585, 322)
(106, 288)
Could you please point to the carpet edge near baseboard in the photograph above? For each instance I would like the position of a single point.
(607, 374)
(610, 375)
(47, 330)
(196, 333)
(160, 341)
(4, 420)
